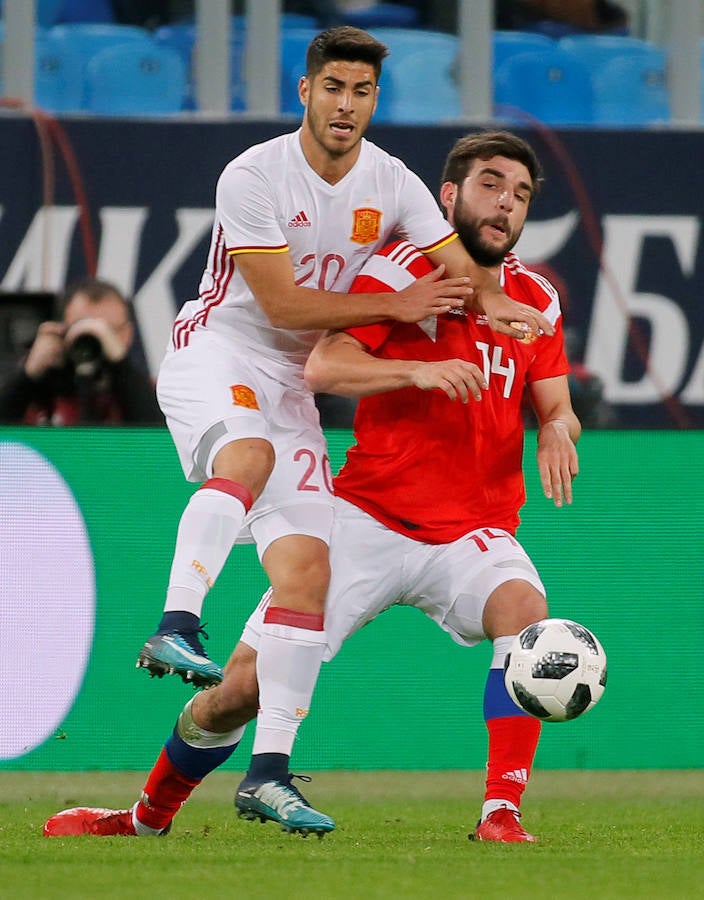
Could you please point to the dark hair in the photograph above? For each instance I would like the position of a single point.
(94, 288)
(345, 43)
(484, 145)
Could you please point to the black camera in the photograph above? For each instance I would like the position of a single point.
(86, 356)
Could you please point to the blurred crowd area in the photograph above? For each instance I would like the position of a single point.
(642, 18)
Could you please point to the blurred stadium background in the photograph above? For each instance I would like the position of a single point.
(113, 134)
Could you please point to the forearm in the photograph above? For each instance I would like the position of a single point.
(308, 309)
(564, 421)
(350, 371)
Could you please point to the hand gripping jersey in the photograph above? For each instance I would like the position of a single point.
(269, 200)
(434, 468)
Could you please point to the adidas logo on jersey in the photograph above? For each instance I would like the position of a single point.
(300, 220)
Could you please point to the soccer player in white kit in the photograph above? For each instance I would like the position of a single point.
(295, 220)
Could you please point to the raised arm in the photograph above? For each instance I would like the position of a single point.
(558, 432)
(270, 277)
(488, 296)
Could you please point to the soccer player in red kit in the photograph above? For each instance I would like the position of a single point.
(427, 504)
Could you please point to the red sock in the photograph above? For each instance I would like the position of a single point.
(166, 790)
(512, 744)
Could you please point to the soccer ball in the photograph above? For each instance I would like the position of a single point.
(555, 670)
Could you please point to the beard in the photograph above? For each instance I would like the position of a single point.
(469, 230)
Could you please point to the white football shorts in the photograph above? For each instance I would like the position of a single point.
(374, 568)
(212, 392)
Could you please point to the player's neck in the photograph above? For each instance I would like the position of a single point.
(331, 168)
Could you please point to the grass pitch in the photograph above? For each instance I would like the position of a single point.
(399, 835)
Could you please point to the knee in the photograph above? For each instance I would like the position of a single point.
(299, 572)
(512, 607)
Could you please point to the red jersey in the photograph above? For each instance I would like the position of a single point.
(434, 468)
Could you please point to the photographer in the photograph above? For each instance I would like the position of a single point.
(78, 371)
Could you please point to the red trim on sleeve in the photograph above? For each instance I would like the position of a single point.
(278, 615)
(238, 491)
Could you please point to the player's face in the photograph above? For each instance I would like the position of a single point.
(339, 103)
(490, 207)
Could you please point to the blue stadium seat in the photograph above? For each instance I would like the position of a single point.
(549, 85)
(632, 91)
(596, 50)
(424, 87)
(294, 43)
(381, 15)
(132, 80)
(82, 41)
(51, 12)
(405, 93)
(506, 44)
(58, 76)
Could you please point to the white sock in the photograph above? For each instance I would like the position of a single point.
(288, 663)
(501, 647)
(490, 805)
(208, 528)
(143, 830)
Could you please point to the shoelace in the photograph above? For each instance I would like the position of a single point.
(289, 782)
(192, 638)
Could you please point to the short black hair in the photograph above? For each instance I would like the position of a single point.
(484, 145)
(344, 43)
(95, 289)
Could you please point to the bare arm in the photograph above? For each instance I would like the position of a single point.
(488, 296)
(340, 364)
(559, 431)
(271, 279)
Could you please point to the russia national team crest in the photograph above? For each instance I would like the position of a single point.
(366, 227)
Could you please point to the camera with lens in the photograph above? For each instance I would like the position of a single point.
(86, 356)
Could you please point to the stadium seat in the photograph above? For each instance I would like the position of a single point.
(596, 50)
(294, 43)
(424, 88)
(381, 15)
(632, 91)
(132, 79)
(506, 44)
(58, 76)
(87, 39)
(548, 85)
(50, 12)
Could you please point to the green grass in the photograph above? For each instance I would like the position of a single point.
(399, 835)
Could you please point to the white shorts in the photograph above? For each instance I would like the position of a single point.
(374, 568)
(213, 392)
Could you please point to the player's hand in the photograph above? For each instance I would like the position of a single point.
(518, 320)
(430, 295)
(558, 463)
(113, 347)
(456, 377)
(47, 351)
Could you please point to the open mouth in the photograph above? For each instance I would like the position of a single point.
(498, 228)
(342, 128)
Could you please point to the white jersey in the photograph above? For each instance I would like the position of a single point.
(269, 200)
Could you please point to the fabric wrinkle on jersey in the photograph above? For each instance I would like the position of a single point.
(402, 469)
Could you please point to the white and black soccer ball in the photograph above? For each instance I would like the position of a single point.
(555, 670)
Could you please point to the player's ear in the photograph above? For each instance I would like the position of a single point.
(448, 195)
(303, 90)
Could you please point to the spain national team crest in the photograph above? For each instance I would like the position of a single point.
(243, 396)
(366, 227)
